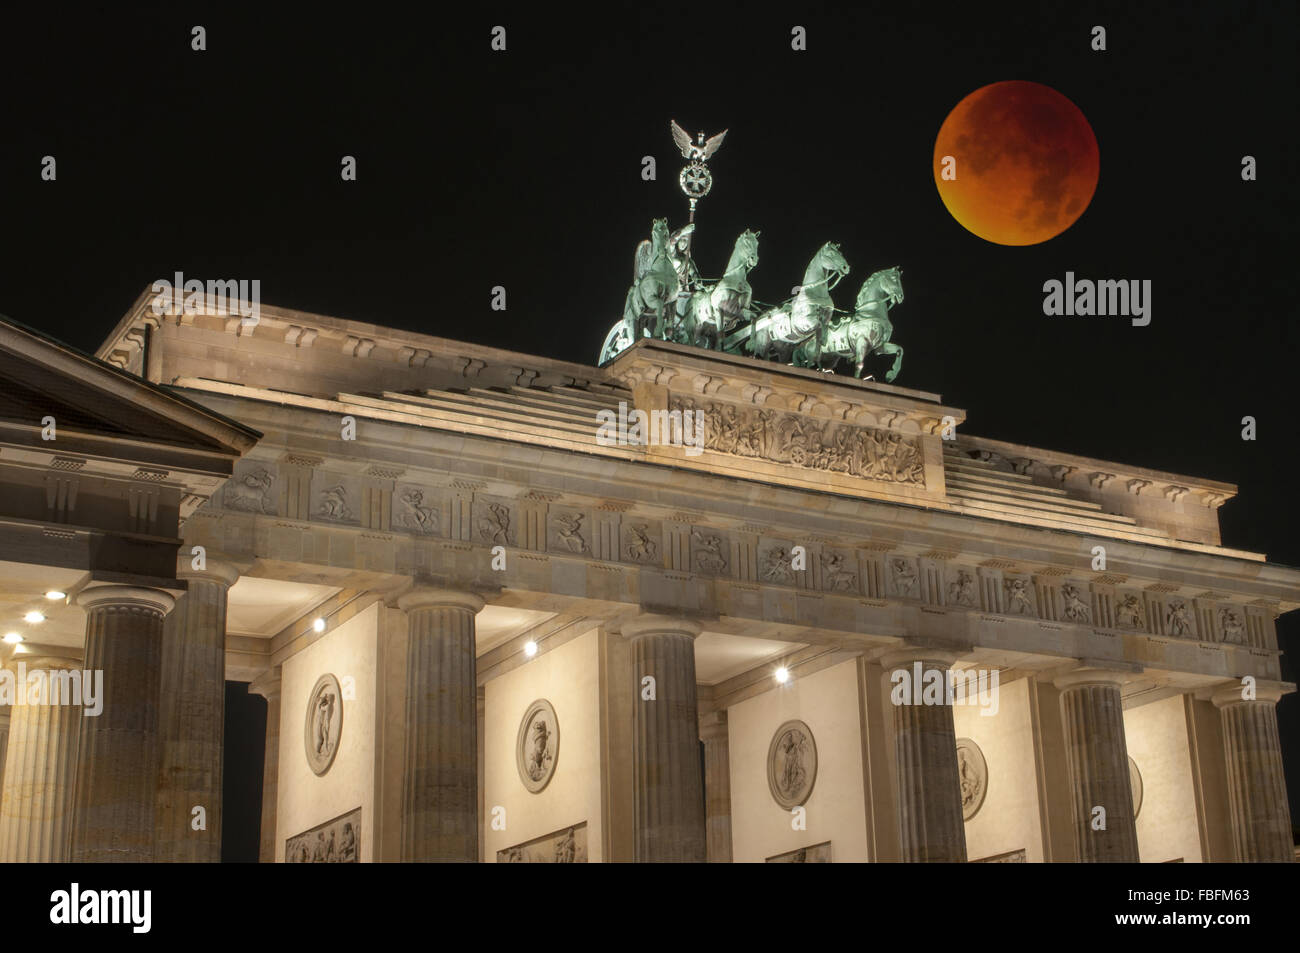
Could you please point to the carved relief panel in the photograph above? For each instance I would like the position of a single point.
(973, 775)
(252, 489)
(709, 551)
(537, 746)
(792, 764)
(417, 509)
(840, 571)
(336, 497)
(496, 521)
(1129, 611)
(903, 578)
(642, 541)
(1075, 604)
(569, 530)
(1018, 595)
(961, 589)
(324, 723)
(775, 562)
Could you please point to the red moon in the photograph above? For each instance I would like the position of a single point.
(1025, 163)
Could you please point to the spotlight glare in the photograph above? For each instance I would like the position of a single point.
(782, 675)
(319, 625)
(13, 638)
(530, 648)
(54, 595)
(34, 617)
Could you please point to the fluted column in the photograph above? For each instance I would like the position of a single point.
(192, 716)
(268, 686)
(36, 797)
(440, 803)
(5, 719)
(717, 787)
(117, 759)
(668, 790)
(930, 824)
(6, 653)
(1092, 713)
(1261, 817)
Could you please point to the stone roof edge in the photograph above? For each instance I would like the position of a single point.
(63, 358)
(1121, 470)
(141, 312)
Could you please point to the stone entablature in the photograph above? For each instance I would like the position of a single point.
(582, 537)
(350, 367)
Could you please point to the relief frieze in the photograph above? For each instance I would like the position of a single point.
(796, 440)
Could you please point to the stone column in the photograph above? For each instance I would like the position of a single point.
(6, 653)
(440, 802)
(192, 716)
(1092, 714)
(1261, 817)
(668, 791)
(117, 759)
(930, 825)
(717, 787)
(268, 686)
(36, 800)
(5, 719)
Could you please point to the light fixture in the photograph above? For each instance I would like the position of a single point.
(34, 617)
(782, 675)
(319, 625)
(13, 638)
(530, 648)
(54, 595)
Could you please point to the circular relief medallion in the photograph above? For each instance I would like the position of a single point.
(792, 764)
(538, 745)
(324, 723)
(1135, 782)
(973, 774)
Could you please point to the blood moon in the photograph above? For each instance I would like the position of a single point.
(1016, 163)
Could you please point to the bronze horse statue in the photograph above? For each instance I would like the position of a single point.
(716, 309)
(866, 331)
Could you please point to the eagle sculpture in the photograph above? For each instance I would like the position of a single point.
(697, 151)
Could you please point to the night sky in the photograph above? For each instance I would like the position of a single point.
(523, 169)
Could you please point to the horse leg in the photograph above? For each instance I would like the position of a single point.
(897, 351)
(860, 355)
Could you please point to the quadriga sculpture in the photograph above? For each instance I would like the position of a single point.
(778, 332)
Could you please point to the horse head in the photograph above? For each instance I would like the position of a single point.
(831, 260)
(747, 248)
(891, 283)
(888, 283)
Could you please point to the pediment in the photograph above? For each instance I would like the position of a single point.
(95, 404)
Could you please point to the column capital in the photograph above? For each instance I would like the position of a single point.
(650, 623)
(713, 726)
(216, 570)
(905, 656)
(1091, 676)
(430, 597)
(267, 684)
(95, 597)
(1229, 694)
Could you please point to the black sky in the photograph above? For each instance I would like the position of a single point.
(522, 169)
